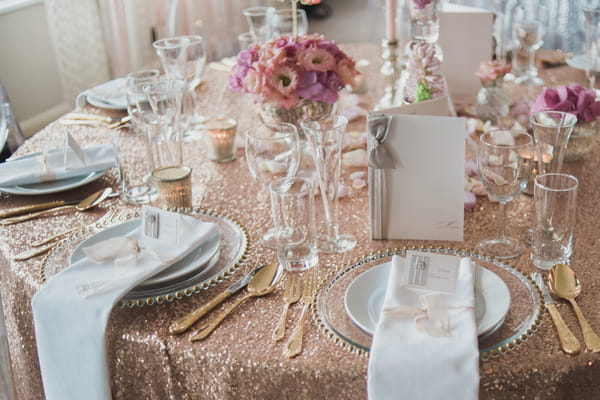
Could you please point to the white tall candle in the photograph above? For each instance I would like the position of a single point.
(390, 25)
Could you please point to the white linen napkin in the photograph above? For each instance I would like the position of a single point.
(407, 362)
(112, 93)
(51, 166)
(71, 312)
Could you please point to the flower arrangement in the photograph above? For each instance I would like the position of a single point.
(492, 71)
(420, 4)
(286, 70)
(573, 99)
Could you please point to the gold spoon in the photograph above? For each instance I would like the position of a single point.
(564, 283)
(264, 282)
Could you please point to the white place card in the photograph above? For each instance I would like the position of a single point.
(160, 225)
(74, 155)
(422, 195)
(466, 41)
(435, 272)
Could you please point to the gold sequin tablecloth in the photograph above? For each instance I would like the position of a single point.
(239, 361)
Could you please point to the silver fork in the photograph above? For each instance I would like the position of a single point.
(291, 294)
(294, 344)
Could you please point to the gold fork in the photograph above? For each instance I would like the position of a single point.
(294, 344)
(291, 294)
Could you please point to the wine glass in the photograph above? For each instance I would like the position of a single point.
(504, 160)
(183, 58)
(272, 151)
(530, 23)
(259, 22)
(282, 22)
(591, 14)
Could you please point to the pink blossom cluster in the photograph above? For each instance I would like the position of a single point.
(492, 70)
(287, 69)
(421, 4)
(425, 67)
(573, 99)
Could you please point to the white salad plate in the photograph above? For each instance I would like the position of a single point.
(364, 298)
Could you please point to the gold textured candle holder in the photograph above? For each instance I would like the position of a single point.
(220, 138)
(174, 186)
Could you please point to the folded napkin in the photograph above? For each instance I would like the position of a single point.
(70, 313)
(111, 94)
(51, 166)
(419, 355)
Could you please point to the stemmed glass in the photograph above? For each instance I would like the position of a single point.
(530, 27)
(282, 22)
(272, 151)
(325, 139)
(183, 58)
(504, 160)
(591, 14)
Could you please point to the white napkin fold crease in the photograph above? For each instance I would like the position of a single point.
(112, 93)
(51, 166)
(70, 325)
(405, 359)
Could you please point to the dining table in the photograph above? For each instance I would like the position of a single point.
(239, 360)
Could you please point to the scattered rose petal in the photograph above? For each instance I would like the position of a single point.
(358, 183)
(470, 201)
(353, 112)
(358, 175)
(355, 158)
(471, 167)
(353, 140)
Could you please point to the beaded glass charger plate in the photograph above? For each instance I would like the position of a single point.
(202, 269)
(521, 320)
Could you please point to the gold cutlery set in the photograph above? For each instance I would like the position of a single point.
(96, 121)
(259, 282)
(564, 283)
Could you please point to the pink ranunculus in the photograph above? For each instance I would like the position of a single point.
(347, 71)
(284, 78)
(252, 82)
(492, 70)
(316, 59)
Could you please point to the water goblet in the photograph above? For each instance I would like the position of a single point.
(259, 22)
(272, 152)
(591, 14)
(504, 161)
(282, 22)
(530, 24)
(183, 58)
(325, 140)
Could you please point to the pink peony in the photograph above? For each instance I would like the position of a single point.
(492, 70)
(573, 99)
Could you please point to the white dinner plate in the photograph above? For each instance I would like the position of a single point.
(60, 185)
(111, 95)
(580, 61)
(190, 264)
(365, 295)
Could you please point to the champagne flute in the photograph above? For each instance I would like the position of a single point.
(183, 58)
(591, 14)
(530, 27)
(272, 151)
(504, 161)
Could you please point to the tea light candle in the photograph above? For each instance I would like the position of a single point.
(220, 138)
(174, 185)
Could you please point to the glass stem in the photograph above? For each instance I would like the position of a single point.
(500, 223)
(531, 68)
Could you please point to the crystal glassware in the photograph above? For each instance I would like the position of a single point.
(530, 22)
(591, 14)
(259, 22)
(183, 58)
(552, 130)
(272, 152)
(282, 22)
(504, 161)
(325, 138)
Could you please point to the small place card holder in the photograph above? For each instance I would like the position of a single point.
(159, 225)
(416, 173)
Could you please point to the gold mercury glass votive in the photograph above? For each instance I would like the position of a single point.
(220, 138)
(174, 186)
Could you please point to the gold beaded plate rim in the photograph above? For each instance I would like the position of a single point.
(492, 351)
(170, 295)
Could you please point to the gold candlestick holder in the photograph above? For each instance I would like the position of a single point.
(391, 71)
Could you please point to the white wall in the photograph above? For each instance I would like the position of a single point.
(28, 67)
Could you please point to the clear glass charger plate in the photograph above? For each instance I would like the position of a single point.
(522, 320)
(234, 244)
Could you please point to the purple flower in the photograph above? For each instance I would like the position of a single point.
(421, 4)
(573, 99)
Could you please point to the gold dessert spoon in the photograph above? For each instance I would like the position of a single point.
(564, 284)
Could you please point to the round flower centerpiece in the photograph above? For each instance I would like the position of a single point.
(492, 103)
(292, 79)
(582, 103)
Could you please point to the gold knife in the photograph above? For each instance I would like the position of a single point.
(568, 341)
(181, 325)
